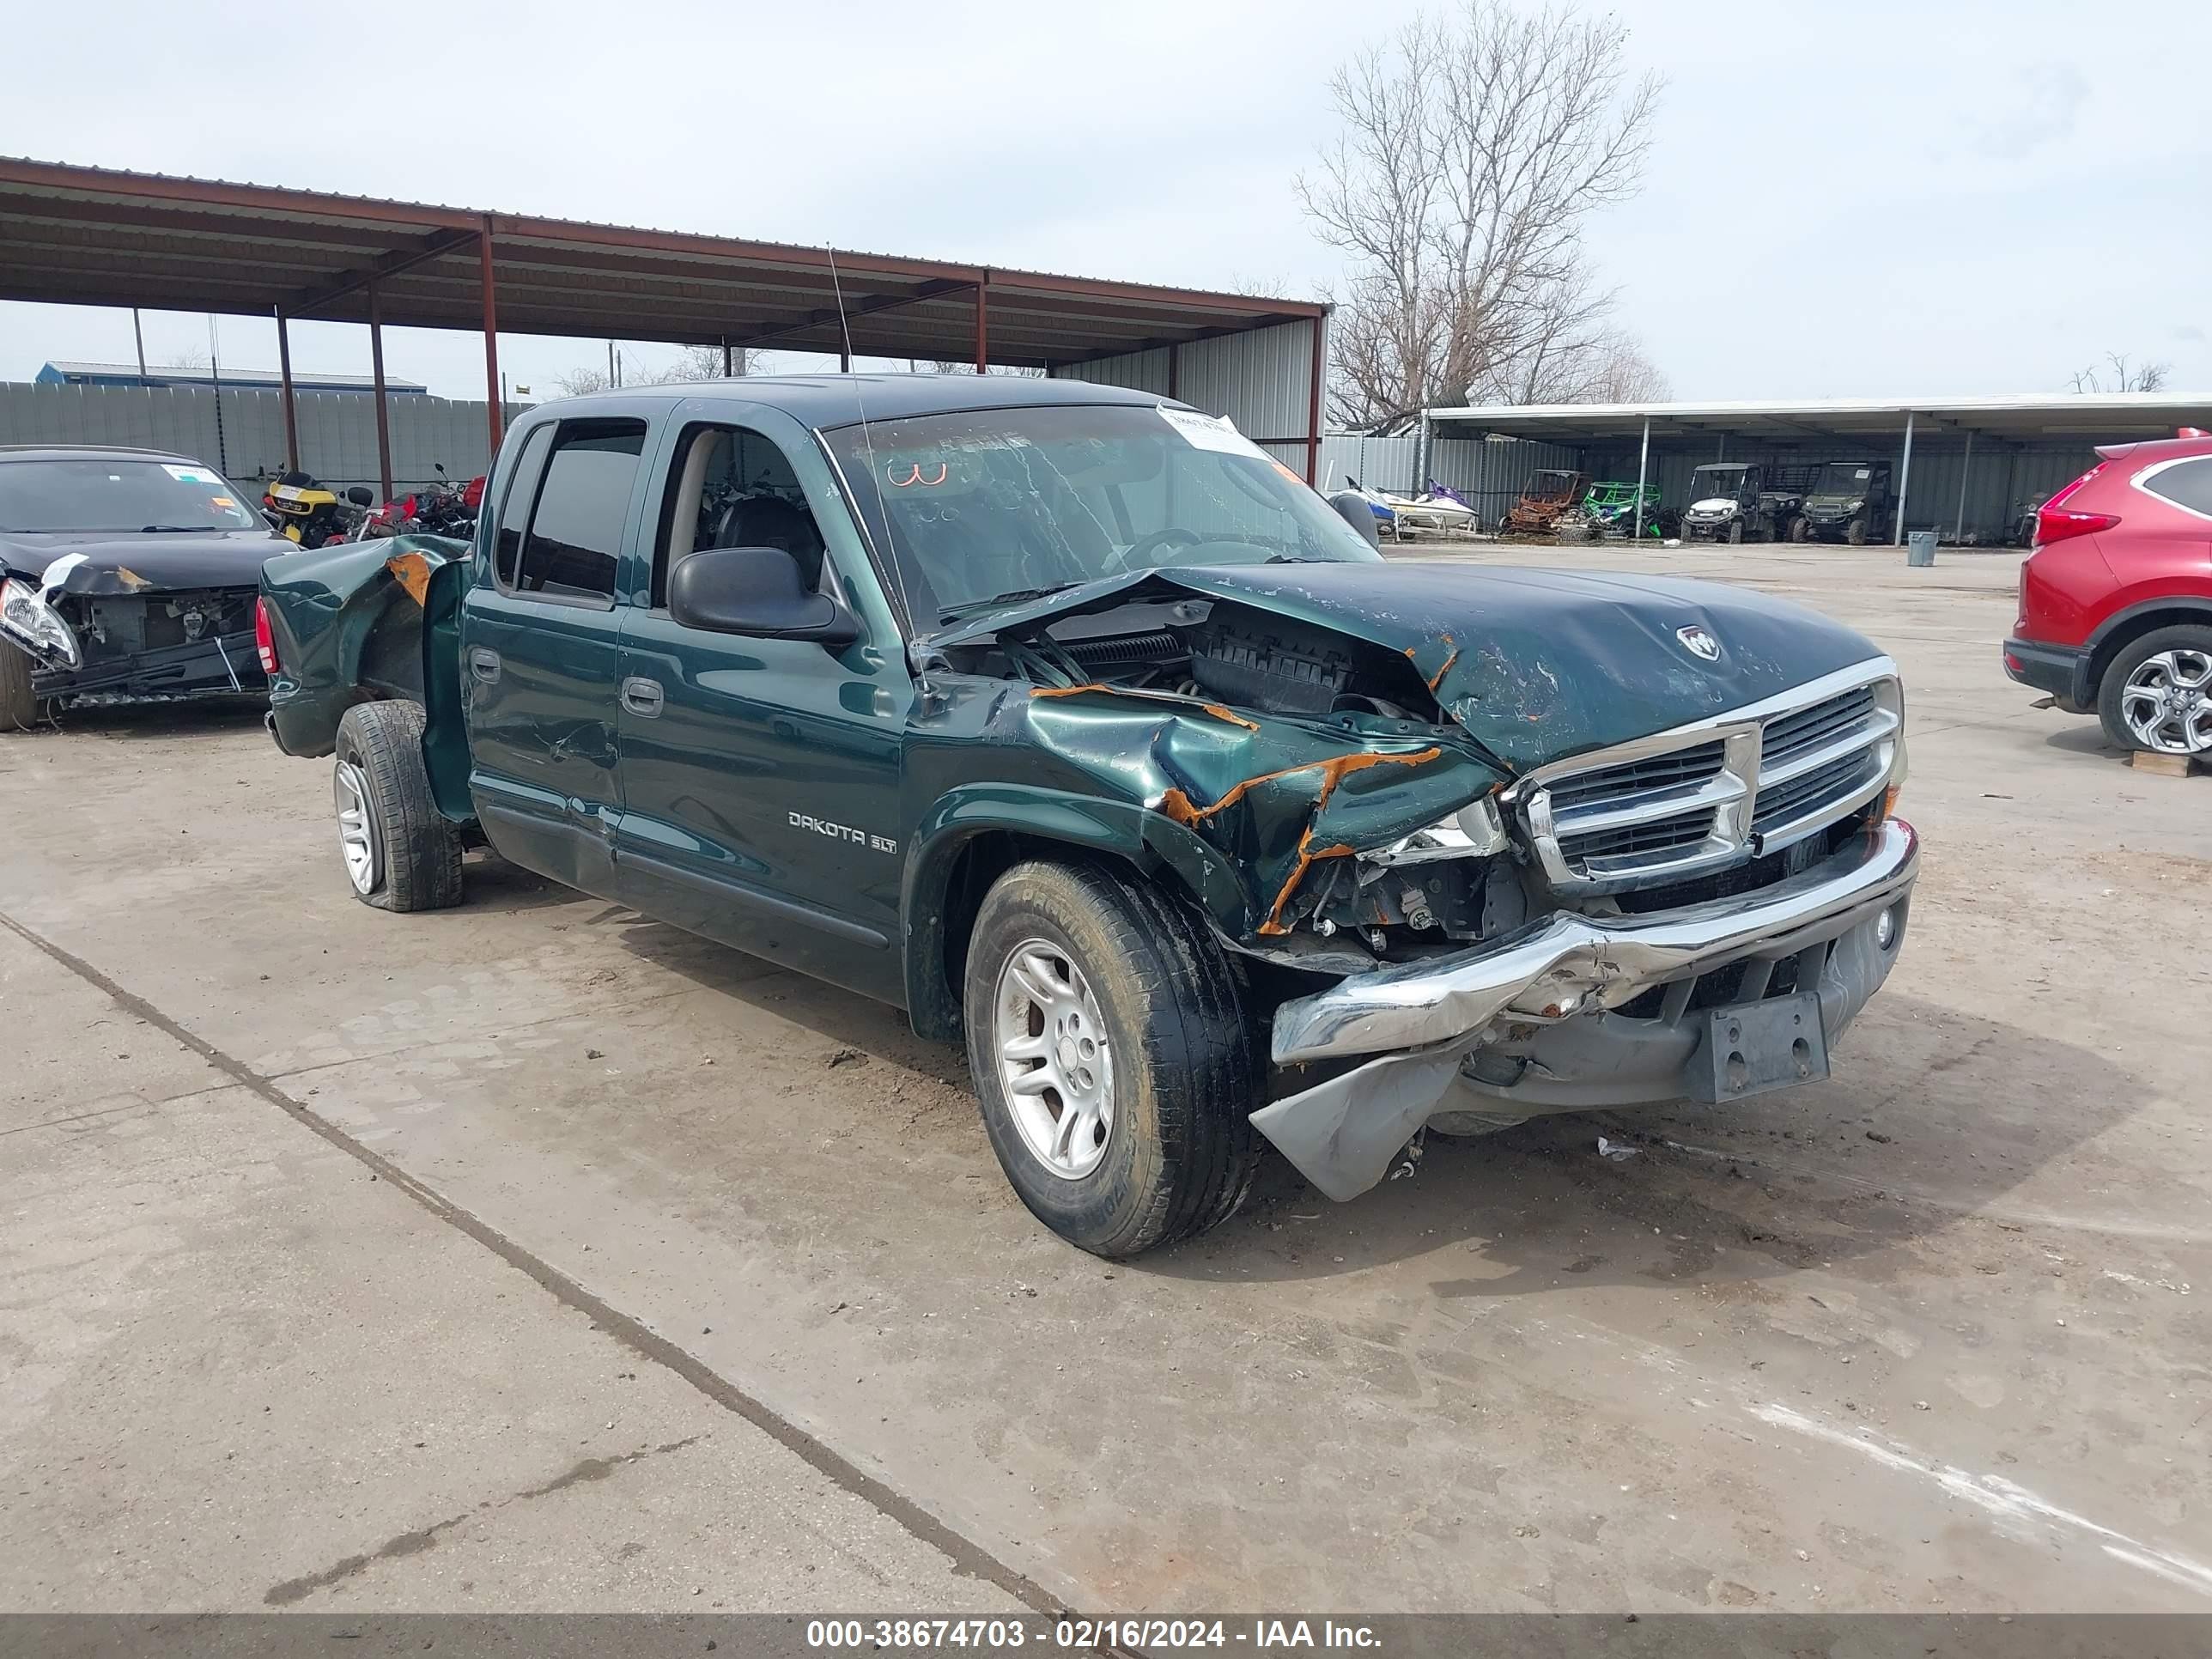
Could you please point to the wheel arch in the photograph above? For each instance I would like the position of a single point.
(975, 835)
(2122, 628)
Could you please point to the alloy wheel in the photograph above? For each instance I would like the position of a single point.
(356, 826)
(1054, 1061)
(2167, 703)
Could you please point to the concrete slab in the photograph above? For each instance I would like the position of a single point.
(1929, 1335)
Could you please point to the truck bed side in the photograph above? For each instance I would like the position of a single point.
(360, 621)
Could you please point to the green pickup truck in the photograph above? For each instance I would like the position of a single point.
(1066, 718)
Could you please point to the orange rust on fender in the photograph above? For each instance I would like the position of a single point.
(1213, 708)
(412, 572)
(1177, 805)
(1309, 854)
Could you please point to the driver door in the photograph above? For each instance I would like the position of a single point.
(760, 777)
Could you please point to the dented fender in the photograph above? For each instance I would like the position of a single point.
(358, 620)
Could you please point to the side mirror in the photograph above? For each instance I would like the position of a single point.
(756, 592)
(359, 495)
(1355, 510)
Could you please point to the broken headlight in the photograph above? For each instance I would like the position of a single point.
(27, 617)
(1475, 831)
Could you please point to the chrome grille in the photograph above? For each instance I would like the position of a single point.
(1719, 793)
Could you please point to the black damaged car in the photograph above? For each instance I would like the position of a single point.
(129, 574)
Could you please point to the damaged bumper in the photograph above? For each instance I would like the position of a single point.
(215, 663)
(1529, 1023)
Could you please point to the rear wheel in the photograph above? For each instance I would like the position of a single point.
(400, 851)
(2157, 694)
(1111, 1057)
(19, 705)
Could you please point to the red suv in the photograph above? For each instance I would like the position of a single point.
(2116, 600)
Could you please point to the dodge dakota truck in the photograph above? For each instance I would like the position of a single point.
(1064, 717)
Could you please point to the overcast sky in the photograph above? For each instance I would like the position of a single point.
(1942, 198)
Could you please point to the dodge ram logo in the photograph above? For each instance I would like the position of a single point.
(1698, 643)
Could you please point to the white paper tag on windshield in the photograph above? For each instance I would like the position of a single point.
(1205, 432)
(199, 475)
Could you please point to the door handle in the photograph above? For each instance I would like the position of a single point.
(483, 665)
(642, 698)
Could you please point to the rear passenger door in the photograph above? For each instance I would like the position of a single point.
(539, 644)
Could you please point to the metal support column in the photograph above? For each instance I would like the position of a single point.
(1643, 463)
(983, 325)
(1313, 403)
(139, 333)
(1958, 524)
(1904, 482)
(726, 357)
(1175, 370)
(491, 339)
(376, 370)
(291, 402)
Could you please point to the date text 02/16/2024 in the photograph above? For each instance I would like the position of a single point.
(1258, 1635)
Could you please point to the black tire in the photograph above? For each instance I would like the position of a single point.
(1736, 532)
(415, 862)
(1799, 531)
(19, 704)
(1180, 1154)
(2185, 636)
(1855, 533)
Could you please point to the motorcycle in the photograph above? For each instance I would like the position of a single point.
(444, 508)
(298, 506)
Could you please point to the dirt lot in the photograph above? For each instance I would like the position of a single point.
(329, 1240)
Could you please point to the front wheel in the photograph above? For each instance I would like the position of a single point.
(1111, 1056)
(19, 704)
(1855, 533)
(1799, 531)
(2157, 694)
(1735, 533)
(400, 851)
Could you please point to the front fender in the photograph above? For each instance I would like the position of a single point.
(1104, 828)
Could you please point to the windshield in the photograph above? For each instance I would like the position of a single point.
(983, 504)
(1716, 482)
(1844, 478)
(122, 496)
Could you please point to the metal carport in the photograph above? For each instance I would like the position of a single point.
(76, 235)
(2028, 445)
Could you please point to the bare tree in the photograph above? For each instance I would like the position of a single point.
(2146, 377)
(698, 362)
(1474, 148)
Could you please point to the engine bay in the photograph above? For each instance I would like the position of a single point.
(1432, 890)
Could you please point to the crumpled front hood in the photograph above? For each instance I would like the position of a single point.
(1536, 664)
(1542, 664)
(131, 563)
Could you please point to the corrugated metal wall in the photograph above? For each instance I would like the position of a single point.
(1489, 475)
(337, 429)
(1999, 476)
(1262, 379)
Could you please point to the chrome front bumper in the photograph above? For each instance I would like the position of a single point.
(1424, 1019)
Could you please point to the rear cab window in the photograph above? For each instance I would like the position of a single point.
(560, 527)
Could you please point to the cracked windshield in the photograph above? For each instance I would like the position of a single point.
(994, 506)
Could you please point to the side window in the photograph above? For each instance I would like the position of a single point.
(514, 510)
(576, 531)
(2186, 485)
(729, 486)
